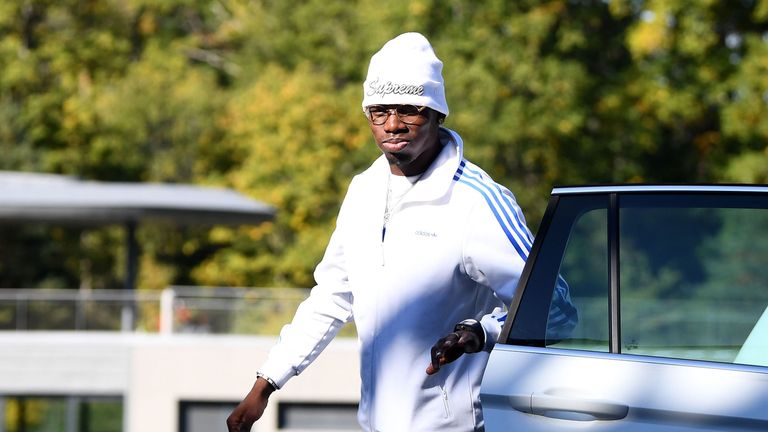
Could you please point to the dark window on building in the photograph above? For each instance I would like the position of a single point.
(317, 416)
(198, 416)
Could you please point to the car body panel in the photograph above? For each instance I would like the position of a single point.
(566, 390)
(640, 370)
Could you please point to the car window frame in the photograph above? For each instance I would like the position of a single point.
(533, 321)
(532, 329)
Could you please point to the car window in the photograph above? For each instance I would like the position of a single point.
(692, 277)
(694, 280)
(587, 277)
(578, 224)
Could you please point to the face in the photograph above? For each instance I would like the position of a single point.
(409, 148)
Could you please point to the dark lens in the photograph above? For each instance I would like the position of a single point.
(377, 114)
(408, 110)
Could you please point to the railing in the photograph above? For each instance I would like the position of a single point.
(177, 309)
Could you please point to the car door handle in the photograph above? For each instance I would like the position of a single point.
(567, 405)
(559, 403)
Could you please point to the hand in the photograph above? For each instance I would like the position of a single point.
(251, 408)
(451, 347)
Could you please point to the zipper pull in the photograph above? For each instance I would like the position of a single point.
(383, 233)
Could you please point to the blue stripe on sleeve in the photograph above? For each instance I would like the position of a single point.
(499, 208)
(522, 233)
(523, 254)
(515, 211)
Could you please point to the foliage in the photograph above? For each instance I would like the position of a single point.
(263, 96)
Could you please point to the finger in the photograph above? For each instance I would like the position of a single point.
(438, 353)
(468, 342)
(447, 342)
(435, 355)
(436, 362)
(465, 339)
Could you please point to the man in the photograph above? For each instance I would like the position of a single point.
(424, 240)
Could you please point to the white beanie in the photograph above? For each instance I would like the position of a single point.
(406, 71)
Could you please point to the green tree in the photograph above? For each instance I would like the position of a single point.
(302, 140)
(264, 96)
(104, 90)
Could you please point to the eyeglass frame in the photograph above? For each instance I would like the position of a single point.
(419, 113)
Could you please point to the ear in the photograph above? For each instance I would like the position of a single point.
(440, 116)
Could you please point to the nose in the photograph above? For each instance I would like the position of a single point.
(393, 122)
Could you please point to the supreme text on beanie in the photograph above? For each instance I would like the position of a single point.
(406, 71)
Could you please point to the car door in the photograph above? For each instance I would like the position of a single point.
(670, 287)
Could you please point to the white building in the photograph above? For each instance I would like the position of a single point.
(137, 361)
(168, 381)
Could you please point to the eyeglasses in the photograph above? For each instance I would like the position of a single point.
(408, 114)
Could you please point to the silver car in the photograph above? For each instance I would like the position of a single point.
(671, 288)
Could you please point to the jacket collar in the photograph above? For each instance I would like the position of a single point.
(437, 180)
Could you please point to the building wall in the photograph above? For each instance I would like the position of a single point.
(155, 372)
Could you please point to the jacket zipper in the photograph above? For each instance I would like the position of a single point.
(446, 405)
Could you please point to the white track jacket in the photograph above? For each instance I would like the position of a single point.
(454, 249)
